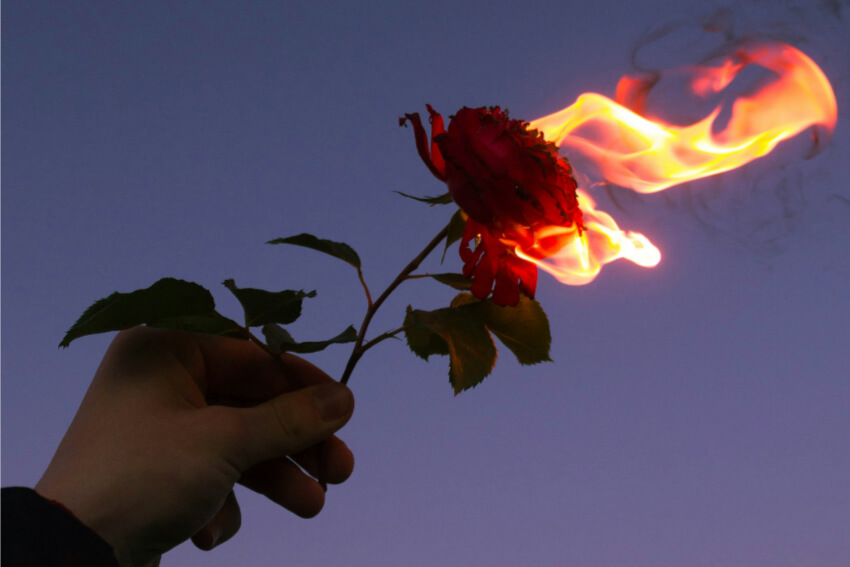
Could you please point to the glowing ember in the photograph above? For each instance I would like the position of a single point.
(647, 155)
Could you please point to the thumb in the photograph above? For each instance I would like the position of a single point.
(290, 423)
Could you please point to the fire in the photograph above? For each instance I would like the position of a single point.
(582, 257)
(646, 155)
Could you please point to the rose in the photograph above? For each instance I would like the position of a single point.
(512, 184)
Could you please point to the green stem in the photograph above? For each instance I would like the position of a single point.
(365, 287)
(262, 345)
(359, 347)
(379, 338)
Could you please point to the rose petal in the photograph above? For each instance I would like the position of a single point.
(422, 144)
(437, 128)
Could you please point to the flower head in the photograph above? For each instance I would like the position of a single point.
(510, 182)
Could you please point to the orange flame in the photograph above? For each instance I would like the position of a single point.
(602, 241)
(646, 155)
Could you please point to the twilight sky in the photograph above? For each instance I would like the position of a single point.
(697, 414)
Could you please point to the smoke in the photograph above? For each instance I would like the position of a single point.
(782, 201)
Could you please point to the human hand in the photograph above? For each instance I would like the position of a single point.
(171, 421)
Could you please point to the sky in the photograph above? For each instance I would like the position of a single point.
(695, 414)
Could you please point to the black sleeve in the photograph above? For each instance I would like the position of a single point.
(38, 532)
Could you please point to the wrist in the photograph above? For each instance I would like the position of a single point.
(77, 501)
(42, 531)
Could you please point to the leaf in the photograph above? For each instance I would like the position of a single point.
(280, 340)
(523, 328)
(456, 281)
(277, 337)
(443, 199)
(472, 354)
(336, 249)
(349, 335)
(262, 307)
(462, 299)
(166, 300)
(421, 340)
(457, 225)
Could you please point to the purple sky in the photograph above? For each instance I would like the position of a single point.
(696, 414)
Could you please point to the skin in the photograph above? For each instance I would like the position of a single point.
(172, 421)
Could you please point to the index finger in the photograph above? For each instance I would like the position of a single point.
(237, 372)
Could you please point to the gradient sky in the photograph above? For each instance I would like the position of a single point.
(696, 414)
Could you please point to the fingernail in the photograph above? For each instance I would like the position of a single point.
(333, 400)
(215, 535)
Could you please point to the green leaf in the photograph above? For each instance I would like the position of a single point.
(523, 328)
(263, 307)
(349, 335)
(457, 225)
(462, 299)
(472, 354)
(336, 249)
(280, 340)
(456, 281)
(277, 337)
(443, 199)
(421, 340)
(166, 300)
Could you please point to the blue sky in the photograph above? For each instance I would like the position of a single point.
(696, 414)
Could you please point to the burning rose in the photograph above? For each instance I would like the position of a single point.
(520, 210)
(511, 184)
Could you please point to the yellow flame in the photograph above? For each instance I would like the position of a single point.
(646, 155)
(582, 256)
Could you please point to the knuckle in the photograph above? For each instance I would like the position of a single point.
(289, 429)
(227, 421)
(227, 433)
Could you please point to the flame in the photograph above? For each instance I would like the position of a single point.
(649, 155)
(579, 260)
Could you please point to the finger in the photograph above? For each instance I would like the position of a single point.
(331, 459)
(238, 372)
(228, 371)
(222, 527)
(281, 481)
(287, 424)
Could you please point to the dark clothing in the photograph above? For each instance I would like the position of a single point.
(39, 533)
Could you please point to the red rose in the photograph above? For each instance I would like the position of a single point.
(511, 183)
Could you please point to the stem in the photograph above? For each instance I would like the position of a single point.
(365, 287)
(359, 347)
(379, 338)
(263, 345)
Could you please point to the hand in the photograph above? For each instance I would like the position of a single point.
(171, 421)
